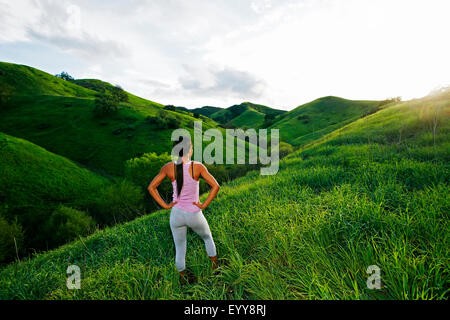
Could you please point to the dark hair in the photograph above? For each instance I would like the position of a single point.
(184, 143)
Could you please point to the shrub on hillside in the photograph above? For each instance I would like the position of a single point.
(386, 101)
(105, 105)
(304, 118)
(173, 123)
(119, 202)
(11, 237)
(163, 121)
(225, 173)
(65, 224)
(143, 169)
(170, 107)
(118, 94)
(285, 149)
(156, 122)
(162, 114)
(269, 119)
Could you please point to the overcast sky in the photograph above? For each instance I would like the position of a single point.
(280, 53)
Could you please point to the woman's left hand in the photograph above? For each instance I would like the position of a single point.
(200, 205)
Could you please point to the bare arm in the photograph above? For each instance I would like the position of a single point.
(214, 187)
(152, 188)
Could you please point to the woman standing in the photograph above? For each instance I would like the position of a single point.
(186, 208)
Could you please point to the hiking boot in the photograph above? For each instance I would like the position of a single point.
(187, 277)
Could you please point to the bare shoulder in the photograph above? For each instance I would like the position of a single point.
(199, 166)
(167, 167)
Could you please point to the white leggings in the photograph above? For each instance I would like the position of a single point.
(179, 221)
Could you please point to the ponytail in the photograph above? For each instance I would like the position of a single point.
(184, 142)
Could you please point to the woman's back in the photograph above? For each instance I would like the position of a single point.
(190, 190)
(184, 212)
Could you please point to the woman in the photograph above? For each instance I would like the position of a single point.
(186, 208)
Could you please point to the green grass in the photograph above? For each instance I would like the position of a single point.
(374, 192)
(312, 120)
(250, 118)
(29, 174)
(21, 79)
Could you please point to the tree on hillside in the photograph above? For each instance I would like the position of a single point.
(119, 94)
(170, 107)
(268, 120)
(108, 103)
(386, 101)
(65, 76)
(105, 104)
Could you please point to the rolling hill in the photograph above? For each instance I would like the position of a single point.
(58, 115)
(246, 114)
(206, 110)
(242, 115)
(312, 120)
(24, 80)
(374, 192)
(30, 175)
(34, 182)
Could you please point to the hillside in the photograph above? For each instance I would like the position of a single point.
(242, 115)
(319, 117)
(18, 79)
(102, 87)
(374, 192)
(58, 115)
(34, 181)
(246, 114)
(206, 110)
(30, 175)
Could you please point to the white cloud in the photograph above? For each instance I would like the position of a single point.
(14, 16)
(260, 5)
(60, 23)
(222, 81)
(280, 53)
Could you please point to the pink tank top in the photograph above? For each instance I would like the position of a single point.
(189, 192)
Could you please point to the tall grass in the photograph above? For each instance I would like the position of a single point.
(309, 232)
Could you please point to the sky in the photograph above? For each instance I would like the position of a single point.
(279, 53)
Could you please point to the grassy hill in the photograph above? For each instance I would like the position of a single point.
(102, 87)
(58, 115)
(374, 192)
(30, 175)
(246, 114)
(34, 182)
(319, 117)
(206, 110)
(24, 80)
(243, 115)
